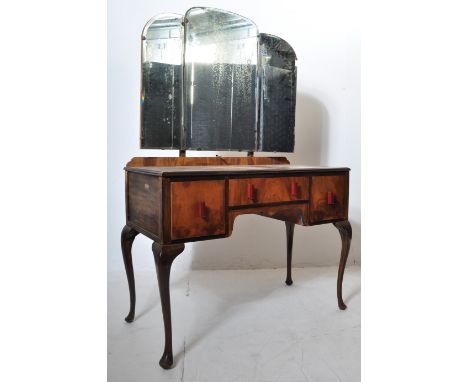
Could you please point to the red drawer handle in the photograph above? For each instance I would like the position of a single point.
(330, 198)
(201, 210)
(294, 189)
(250, 191)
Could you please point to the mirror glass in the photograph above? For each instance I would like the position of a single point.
(210, 81)
(161, 82)
(277, 95)
(220, 83)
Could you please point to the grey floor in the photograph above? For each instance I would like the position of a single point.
(243, 325)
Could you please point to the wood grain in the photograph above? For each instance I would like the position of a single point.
(267, 190)
(192, 199)
(204, 161)
(320, 210)
(185, 196)
(294, 213)
(144, 202)
(250, 171)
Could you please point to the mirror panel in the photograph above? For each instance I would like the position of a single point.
(220, 83)
(210, 81)
(277, 95)
(161, 82)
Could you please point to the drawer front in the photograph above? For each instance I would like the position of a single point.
(329, 197)
(197, 208)
(250, 191)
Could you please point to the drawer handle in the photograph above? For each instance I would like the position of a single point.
(201, 210)
(330, 198)
(250, 192)
(294, 189)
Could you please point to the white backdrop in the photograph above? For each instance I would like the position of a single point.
(326, 38)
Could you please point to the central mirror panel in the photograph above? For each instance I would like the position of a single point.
(220, 81)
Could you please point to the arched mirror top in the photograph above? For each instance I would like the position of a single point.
(163, 22)
(211, 81)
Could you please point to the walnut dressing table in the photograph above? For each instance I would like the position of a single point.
(211, 81)
(179, 200)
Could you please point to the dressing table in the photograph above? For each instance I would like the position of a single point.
(211, 81)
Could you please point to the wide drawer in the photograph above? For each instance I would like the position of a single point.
(248, 191)
(197, 209)
(329, 197)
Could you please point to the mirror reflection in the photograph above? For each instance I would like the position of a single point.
(278, 95)
(210, 81)
(220, 80)
(161, 82)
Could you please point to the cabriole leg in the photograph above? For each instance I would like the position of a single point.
(346, 234)
(164, 255)
(127, 238)
(289, 244)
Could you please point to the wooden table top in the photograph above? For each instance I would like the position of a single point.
(174, 171)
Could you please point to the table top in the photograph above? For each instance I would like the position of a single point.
(175, 171)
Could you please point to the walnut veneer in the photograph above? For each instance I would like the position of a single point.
(179, 200)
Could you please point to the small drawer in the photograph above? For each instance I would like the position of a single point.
(197, 208)
(329, 197)
(250, 191)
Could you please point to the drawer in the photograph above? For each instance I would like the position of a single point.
(329, 197)
(267, 190)
(197, 208)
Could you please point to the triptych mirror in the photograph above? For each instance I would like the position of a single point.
(211, 81)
